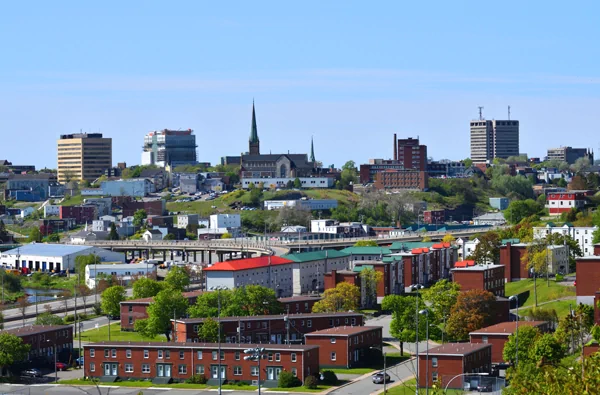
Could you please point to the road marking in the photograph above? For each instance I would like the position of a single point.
(160, 388)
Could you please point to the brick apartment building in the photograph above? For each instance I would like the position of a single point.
(497, 335)
(587, 271)
(267, 329)
(136, 309)
(333, 278)
(298, 304)
(411, 154)
(44, 338)
(451, 359)
(487, 277)
(346, 346)
(511, 257)
(166, 362)
(152, 207)
(434, 216)
(401, 179)
(81, 214)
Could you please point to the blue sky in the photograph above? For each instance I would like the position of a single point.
(349, 73)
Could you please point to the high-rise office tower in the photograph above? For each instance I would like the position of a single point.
(494, 139)
(83, 156)
(169, 147)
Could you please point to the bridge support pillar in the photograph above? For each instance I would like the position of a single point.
(209, 257)
(230, 255)
(202, 255)
(171, 254)
(194, 256)
(164, 255)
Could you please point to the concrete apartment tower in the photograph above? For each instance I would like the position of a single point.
(83, 156)
(494, 139)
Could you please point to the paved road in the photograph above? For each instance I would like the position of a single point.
(49, 389)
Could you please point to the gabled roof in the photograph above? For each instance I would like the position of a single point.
(247, 264)
(316, 255)
(461, 264)
(506, 328)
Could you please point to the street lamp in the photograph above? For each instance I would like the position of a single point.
(416, 288)
(55, 367)
(514, 297)
(425, 312)
(463, 374)
(256, 354)
(219, 288)
(384, 367)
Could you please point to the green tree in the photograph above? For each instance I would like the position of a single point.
(403, 325)
(441, 297)
(35, 235)
(547, 350)
(167, 304)
(256, 300)
(145, 287)
(518, 210)
(472, 311)
(207, 305)
(527, 336)
(112, 234)
(344, 297)
(366, 243)
(169, 236)
(561, 183)
(297, 183)
(48, 318)
(138, 218)
(81, 261)
(488, 248)
(111, 300)
(226, 235)
(468, 163)
(370, 279)
(256, 195)
(12, 350)
(209, 331)
(349, 174)
(178, 278)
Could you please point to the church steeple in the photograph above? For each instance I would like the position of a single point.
(312, 150)
(254, 142)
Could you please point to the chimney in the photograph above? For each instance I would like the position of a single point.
(395, 147)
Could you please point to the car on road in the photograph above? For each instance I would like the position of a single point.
(379, 378)
(484, 387)
(61, 366)
(31, 373)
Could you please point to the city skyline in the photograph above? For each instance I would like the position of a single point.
(344, 74)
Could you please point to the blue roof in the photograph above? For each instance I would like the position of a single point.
(43, 249)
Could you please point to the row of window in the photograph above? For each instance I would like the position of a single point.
(166, 354)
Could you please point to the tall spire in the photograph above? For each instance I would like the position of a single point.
(254, 142)
(312, 150)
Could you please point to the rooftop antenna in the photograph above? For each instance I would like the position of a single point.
(480, 113)
(509, 113)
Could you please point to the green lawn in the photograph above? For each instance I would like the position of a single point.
(408, 387)
(146, 384)
(319, 388)
(76, 200)
(545, 293)
(101, 334)
(561, 307)
(392, 359)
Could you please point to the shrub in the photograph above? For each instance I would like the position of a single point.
(97, 309)
(197, 379)
(329, 377)
(288, 380)
(310, 382)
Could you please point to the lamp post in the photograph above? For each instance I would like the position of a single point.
(463, 374)
(55, 368)
(255, 354)
(416, 288)
(425, 312)
(514, 297)
(218, 288)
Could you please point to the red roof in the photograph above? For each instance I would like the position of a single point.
(420, 250)
(247, 264)
(464, 263)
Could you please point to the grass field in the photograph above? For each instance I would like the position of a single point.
(146, 384)
(544, 293)
(101, 334)
(408, 387)
(561, 307)
(392, 359)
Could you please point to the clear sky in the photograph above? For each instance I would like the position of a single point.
(349, 73)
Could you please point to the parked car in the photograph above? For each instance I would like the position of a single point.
(378, 378)
(31, 373)
(79, 361)
(61, 366)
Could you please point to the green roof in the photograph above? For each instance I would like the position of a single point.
(398, 245)
(511, 241)
(360, 268)
(389, 259)
(315, 255)
(550, 224)
(367, 250)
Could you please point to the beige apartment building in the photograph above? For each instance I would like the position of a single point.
(83, 156)
(494, 139)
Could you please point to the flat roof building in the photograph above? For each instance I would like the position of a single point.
(494, 139)
(169, 147)
(83, 156)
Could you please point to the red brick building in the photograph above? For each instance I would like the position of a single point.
(298, 304)
(588, 278)
(135, 309)
(152, 207)
(81, 214)
(451, 359)
(335, 277)
(166, 362)
(44, 338)
(497, 335)
(591, 349)
(273, 329)
(487, 277)
(501, 310)
(401, 179)
(346, 346)
(411, 154)
(434, 216)
(597, 249)
(511, 256)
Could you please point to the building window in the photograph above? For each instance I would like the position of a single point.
(128, 353)
(214, 355)
(145, 368)
(254, 371)
(181, 354)
(331, 323)
(434, 362)
(333, 356)
(128, 368)
(222, 355)
(309, 323)
(199, 353)
(237, 370)
(195, 328)
(237, 355)
(130, 320)
(160, 354)
(277, 357)
(332, 340)
(434, 377)
(113, 353)
(130, 307)
(167, 354)
(92, 353)
(270, 355)
(106, 353)
(146, 354)
(182, 369)
(293, 356)
(295, 372)
(200, 369)
(484, 339)
(92, 367)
